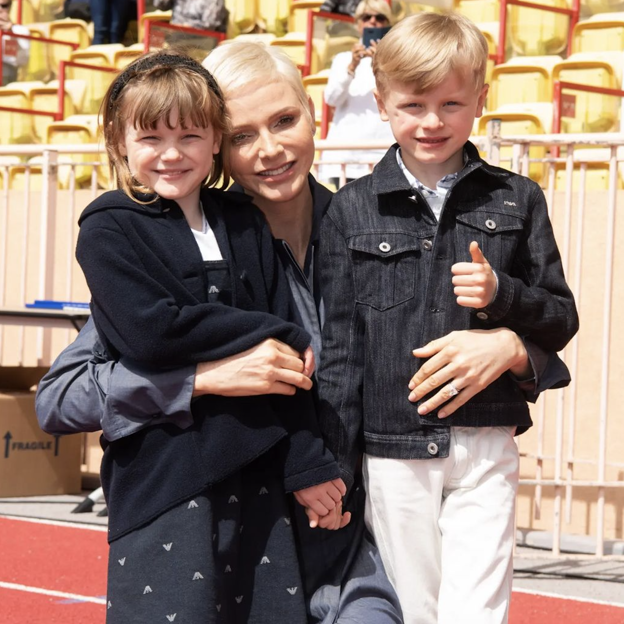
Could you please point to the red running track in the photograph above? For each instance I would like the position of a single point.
(48, 573)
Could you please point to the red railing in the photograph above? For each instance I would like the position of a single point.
(62, 70)
(572, 13)
(12, 35)
(148, 36)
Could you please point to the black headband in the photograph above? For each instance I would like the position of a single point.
(160, 59)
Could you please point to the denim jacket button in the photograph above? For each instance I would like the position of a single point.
(427, 245)
(385, 247)
(483, 316)
(432, 448)
(490, 225)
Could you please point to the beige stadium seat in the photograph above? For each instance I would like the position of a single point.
(293, 44)
(6, 164)
(71, 30)
(532, 32)
(274, 15)
(15, 127)
(97, 82)
(26, 177)
(522, 79)
(602, 6)
(298, 16)
(522, 119)
(48, 10)
(76, 90)
(593, 112)
(45, 98)
(30, 13)
(600, 33)
(38, 67)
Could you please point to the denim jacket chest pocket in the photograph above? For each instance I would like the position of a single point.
(384, 267)
(498, 235)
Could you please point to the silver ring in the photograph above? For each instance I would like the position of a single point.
(452, 390)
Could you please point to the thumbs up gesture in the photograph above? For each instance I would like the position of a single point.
(474, 282)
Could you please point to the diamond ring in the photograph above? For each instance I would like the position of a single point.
(452, 390)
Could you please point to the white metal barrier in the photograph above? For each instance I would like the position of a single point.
(572, 467)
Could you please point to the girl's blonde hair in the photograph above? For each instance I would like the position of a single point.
(237, 64)
(423, 49)
(374, 7)
(149, 90)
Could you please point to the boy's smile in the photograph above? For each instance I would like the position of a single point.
(432, 127)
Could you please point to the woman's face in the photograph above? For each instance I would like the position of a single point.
(371, 20)
(272, 145)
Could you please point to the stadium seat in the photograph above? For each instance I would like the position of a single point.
(479, 10)
(298, 17)
(330, 37)
(38, 67)
(274, 15)
(533, 32)
(48, 10)
(45, 98)
(122, 58)
(6, 163)
(15, 127)
(519, 120)
(243, 16)
(97, 82)
(76, 90)
(602, 6)
(153, 16)
(293, 44)
(597, 173)
(315, 86)
(599, 33)
(23, 177)
(522, 79)
(71, 30)
(29, 12)
(593, 112)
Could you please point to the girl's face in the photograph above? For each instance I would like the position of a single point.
(172, 162)
(272, 145)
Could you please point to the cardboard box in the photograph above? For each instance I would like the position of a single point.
(32, 463)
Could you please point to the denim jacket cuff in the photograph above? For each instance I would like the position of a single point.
(499, 306)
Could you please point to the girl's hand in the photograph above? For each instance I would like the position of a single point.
(475, 282)
(322, 498)
(333, 521)
(270, 367)
(468, 360)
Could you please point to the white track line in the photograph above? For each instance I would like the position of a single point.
(73, 525)
(522, 590)
(52, 592)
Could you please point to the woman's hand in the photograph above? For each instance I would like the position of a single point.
(270, 367)
(467, 361)
(358, 52)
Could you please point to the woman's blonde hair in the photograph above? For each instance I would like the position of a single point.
(237, 64)
(373, 7)
(148, 91)
(423, 49)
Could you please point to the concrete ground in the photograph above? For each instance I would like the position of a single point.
(535, 570)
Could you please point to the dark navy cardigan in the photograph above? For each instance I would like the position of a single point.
(150, 303)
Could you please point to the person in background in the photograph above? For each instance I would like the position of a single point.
(344, 7)
(14, 50)
(110, 20)
(350, 91)
(203, 14)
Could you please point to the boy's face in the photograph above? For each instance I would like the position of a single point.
(432, 127)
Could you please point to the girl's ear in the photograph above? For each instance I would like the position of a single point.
(216, 145)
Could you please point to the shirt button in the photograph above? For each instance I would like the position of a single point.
(483, 316)
(432, 448)
(385, 247)
(427, 245)
(490, 225)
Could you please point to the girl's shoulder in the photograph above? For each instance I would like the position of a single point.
(103, 206)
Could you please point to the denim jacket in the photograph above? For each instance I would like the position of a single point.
(385, 266)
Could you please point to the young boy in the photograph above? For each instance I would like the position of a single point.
(435, 240)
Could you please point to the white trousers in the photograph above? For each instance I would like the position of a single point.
(445, 527)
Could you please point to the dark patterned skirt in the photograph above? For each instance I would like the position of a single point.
(227, 556)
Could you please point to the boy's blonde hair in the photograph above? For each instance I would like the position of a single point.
(149, 90)
(423, 49)
(238, 64)
(373, 7)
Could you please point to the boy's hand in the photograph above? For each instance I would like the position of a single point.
(475, 282)
(322, 498)
(333, 521)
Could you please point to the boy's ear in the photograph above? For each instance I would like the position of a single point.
(380, 105)
(481, 100)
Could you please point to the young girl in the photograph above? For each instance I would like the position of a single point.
(180, 273)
